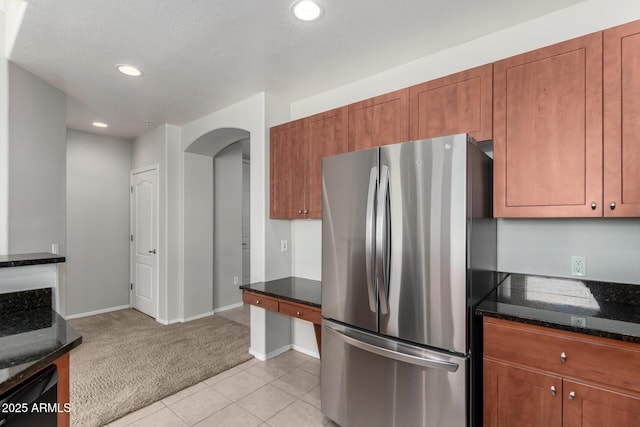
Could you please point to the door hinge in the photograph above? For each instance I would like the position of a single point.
(131, 237)
(131, 286)
(132, 189)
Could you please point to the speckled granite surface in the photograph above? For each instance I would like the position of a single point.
(20, 260)
(32, 335)
(608, 310)
(294, 289)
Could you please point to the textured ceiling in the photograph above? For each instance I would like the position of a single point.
(199, 56)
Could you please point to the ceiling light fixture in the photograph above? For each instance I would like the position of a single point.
(100, 125)
(306, 10)
(129, 70)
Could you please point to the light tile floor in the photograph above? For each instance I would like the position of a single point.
(281, 392)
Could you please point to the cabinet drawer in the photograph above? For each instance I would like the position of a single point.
(604, 361)
(260, 301)
(301, 312)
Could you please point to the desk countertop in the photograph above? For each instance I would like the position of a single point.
(294, 289)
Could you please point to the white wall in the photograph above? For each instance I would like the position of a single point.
(524, 246)
(227, 216)
(544, 246)
(97, 222)
(198, 230)
(37, 161)
(4, 142)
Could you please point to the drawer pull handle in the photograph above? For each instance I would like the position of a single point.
(553, 390)
(572, 395)
(563, 357)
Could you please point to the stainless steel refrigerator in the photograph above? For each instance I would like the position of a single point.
(408, 249)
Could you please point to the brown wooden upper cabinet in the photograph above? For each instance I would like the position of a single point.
(547, 131)
(379, 121)
(461, 102)
(297, 149)
(287, 168)
(622, 121)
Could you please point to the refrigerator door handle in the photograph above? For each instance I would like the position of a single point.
(358, 341)
(370, 236)
(382, 231)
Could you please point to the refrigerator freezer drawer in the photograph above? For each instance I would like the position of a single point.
(368, 380)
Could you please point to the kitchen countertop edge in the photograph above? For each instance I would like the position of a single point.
(21, 260)
(36, 366)
(609, 324)
(559, 326)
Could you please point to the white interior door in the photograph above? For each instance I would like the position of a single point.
(144, 241)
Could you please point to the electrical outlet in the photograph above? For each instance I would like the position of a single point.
(235, 280)
(284, 246)
(578, 321)
(578, 266)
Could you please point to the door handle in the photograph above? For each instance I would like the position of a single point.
(370, 236)
(394, 354)
(382, 231)
(152, 251)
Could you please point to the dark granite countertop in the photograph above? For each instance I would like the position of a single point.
(608, 310)
(294, 289)
(32, 335)
(20, 260)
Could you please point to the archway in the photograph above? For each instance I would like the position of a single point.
(213, 226)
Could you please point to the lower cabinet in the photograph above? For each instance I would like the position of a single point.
(535, 376)
(516, 396)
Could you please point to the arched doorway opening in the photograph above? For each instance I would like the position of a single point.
(216, 221)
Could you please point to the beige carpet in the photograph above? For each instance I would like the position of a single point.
(128, 361)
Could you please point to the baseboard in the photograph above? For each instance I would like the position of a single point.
(93, 313)
(228, 307)
(305, 351)
(264, 357)
(199, 316)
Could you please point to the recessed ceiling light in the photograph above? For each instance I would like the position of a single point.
(100, 125)
(129, 70)
(306, 10)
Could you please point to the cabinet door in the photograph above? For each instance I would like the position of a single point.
(287, 164)
(514, 396)
(459, 103)
(548, 131)
(591, 406)
(622, 121)
(379, 121)
(326, 135)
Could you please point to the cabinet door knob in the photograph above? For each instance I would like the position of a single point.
(563, 357)
(297, 313)
(306, 211)
(299, 211)
(572, 395)
(612, 205)
(553, 390)
(257, 301)
(593, 206)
